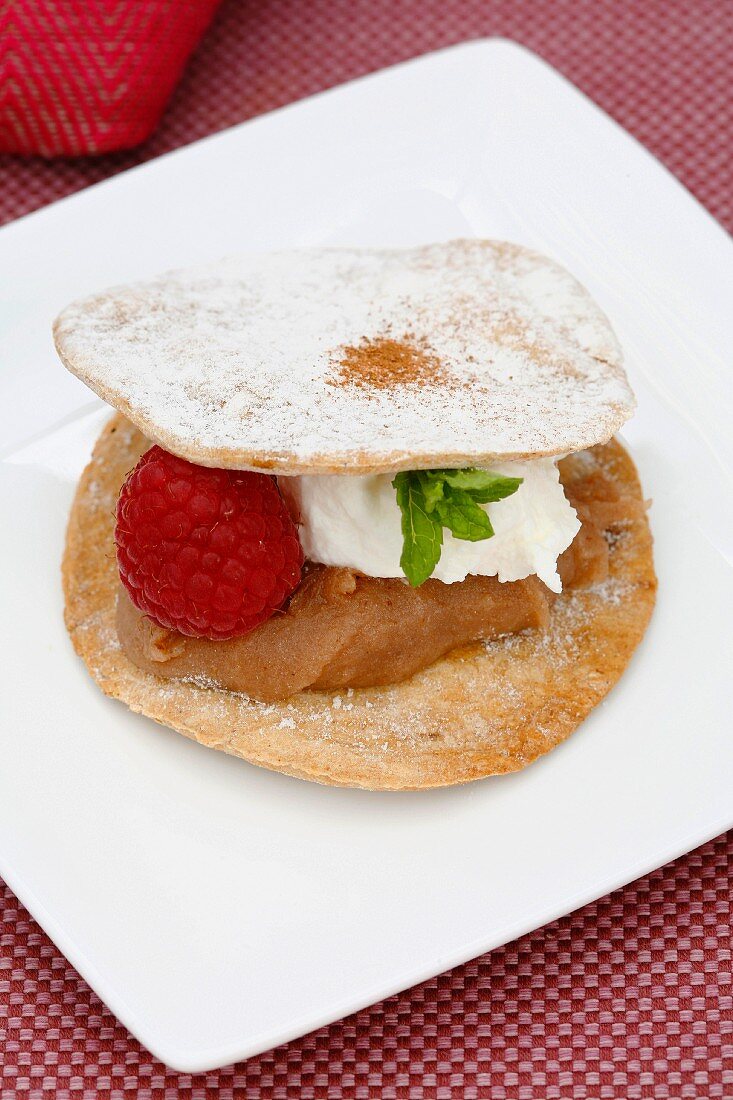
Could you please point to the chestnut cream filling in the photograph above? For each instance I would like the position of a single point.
(343, 630)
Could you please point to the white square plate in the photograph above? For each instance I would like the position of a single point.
(219, 909)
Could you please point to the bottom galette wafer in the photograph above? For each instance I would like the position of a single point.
(483, 710)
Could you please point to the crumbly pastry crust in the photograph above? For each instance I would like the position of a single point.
(356, 360)
(488, 709)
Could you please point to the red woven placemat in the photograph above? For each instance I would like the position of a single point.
(629, 997)
(663, 68)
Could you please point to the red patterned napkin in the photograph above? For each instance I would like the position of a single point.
(90, 76)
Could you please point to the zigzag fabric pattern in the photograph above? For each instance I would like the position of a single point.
(91, 76)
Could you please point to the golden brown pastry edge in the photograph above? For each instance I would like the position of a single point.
(486, 710)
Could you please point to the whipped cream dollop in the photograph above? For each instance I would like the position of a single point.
(355, 521)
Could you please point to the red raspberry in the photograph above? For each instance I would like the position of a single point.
(209, 553)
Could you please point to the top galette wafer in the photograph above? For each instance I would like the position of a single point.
(356, 360)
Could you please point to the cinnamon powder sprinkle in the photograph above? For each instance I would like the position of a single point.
(383, 363)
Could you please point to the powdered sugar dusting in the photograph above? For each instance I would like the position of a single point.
(233, 364)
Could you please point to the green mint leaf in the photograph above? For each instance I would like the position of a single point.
(501, 488)
(463, 517)
(422, 533)
(430, 500)
(432, 488)
(483, 486)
